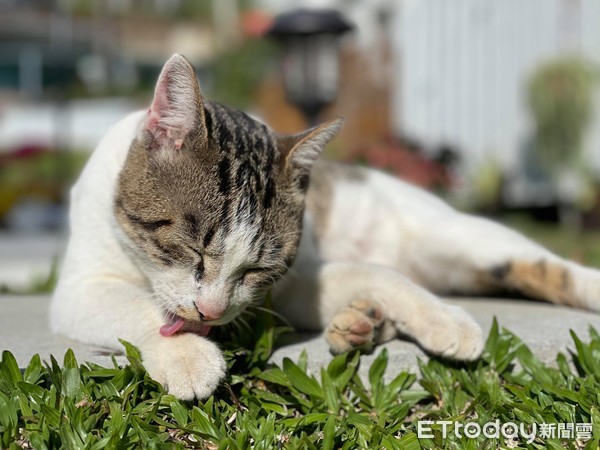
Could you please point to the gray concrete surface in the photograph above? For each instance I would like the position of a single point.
(544, 328)
(24, 330)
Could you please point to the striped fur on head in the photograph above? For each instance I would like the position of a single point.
(211, 200)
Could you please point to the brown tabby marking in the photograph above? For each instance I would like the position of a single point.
(541, 280)
(201, 179)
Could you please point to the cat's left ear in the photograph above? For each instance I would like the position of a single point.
(300, 151)
(177, 106)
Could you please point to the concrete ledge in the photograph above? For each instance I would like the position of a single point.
(24, 331)
(544, 328)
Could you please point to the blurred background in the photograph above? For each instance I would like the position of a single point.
(493, 104)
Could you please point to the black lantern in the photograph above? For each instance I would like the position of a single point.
(311, 56)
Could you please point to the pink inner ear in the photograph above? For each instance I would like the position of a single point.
(159, 109)
(152, 123)
(176, 106)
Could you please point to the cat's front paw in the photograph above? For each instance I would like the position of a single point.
(450, 332)
(187, 365)
(356, 326)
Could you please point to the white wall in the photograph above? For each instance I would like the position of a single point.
(79, 125)
(464, 64)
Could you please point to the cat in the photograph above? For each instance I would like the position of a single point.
(189, 212)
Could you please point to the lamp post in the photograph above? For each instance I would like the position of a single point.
(310, 39)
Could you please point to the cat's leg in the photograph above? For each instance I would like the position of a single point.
(103, 309)
(359, 305)
(468, 254)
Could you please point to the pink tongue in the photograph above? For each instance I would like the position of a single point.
(171, 329)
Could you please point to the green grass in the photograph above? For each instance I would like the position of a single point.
(262, 406)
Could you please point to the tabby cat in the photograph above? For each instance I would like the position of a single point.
(189, 212)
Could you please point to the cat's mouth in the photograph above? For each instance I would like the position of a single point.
(177, 324)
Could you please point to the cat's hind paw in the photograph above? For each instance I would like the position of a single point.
(187, 365)
(356, 326)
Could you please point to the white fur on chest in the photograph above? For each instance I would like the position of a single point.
(94, 253)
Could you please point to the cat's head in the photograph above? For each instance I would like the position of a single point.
(210, 201)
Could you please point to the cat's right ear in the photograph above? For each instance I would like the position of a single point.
(300, 151)
(177, 108)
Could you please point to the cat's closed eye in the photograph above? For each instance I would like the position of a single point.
(148, 225)
(199, 273)
(199, 270)
(153, 225)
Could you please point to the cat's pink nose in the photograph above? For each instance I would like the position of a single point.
(210, 312)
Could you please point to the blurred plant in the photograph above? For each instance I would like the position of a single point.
(486, 185)
(406, 160)
(559, 97)
(237, 72)
(41, 173)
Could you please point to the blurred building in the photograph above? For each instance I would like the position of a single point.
(466, 64)
(437, 73)
(458, 68)
(69, 69)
